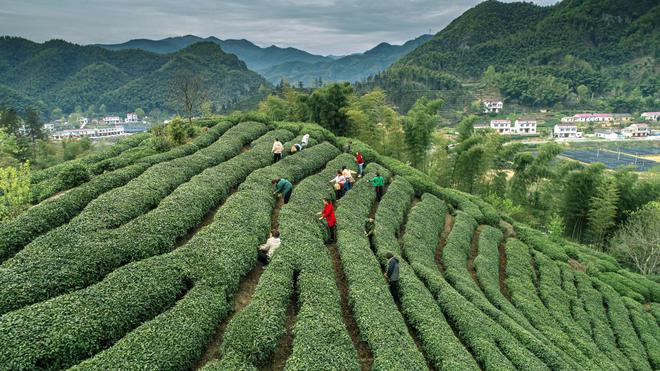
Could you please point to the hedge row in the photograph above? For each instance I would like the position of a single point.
(558, 303)
(486, 264)
(81, 252)
(647, 329)
(321, 340)
(101, 314)
(520, 346)
(215, 260)
(441, 346)
(578, 312)
(477, 331)
(114, 150)
(624, 332)
(593, 305)
(567, 336)
(633, 285)
(53, 213)
(253, 334)
(381, 325)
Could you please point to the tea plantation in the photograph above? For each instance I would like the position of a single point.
(149, 262)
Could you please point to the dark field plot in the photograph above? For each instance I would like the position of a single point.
(611, 160)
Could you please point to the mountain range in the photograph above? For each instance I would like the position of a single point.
(65, 75)
(541, 53)
(291, 64)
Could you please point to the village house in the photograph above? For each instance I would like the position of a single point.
(112, 120)
(636, 131)
(501, 126)
(651, 116)
(622, 117)
(566, 131)
(524, 127)
(607, 134)
(493, 106)
(131, 118)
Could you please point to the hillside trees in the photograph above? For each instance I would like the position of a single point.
(637, 242)
(14, 190)
(419, 125)
(327, 107)
(188, 91)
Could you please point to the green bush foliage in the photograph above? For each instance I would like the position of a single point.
(441, 346)
(96, 231)
(52, 213)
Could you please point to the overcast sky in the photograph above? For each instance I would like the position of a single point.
(318, 26)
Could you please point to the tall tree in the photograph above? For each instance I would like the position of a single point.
(579, 187)
(602, 210)
(466, 127)
(33, 125)
(188, 92)
(637, 242)
(10, 121)
(327, 106)
(419, 124)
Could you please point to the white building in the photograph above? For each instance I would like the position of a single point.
(524, 127)
(112, 120)
(131, 118)
(566, 131)
(501, 126)
(607, 134)
(89, 133)
(651, 116)
(83, 121)
(593, 117)
(636, 131)
(492, 106)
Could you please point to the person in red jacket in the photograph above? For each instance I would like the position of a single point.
(360, 163)
(328, 214)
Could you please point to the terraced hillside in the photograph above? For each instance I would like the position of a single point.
(159, 271)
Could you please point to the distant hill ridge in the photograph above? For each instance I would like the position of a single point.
(65, 75)
(277, 63)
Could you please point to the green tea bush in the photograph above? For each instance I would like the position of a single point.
(578, 312)
(619, 318)
(381, 325)
(52, 213)
(442, 348)
(647, 328)
(81, 252)
(207, 261)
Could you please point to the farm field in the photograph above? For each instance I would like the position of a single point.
(610, 159)
(152, 264)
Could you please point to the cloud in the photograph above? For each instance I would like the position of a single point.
(318, 26)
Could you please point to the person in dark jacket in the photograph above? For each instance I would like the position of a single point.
(369, 230)
(284, 187)
(328, 214)
(392, 274)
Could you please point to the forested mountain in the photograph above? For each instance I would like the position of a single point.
(291, 64)
(541, 55)
(60, 74)
(351, 68)
(256, 57)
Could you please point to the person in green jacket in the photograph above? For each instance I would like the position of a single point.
(284, 187)
(378, 182)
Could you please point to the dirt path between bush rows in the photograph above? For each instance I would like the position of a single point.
(474, 251)
(449, 224)
(411, 330)
(285, 346)
(502, 269)
(242, 298)
(365, 356)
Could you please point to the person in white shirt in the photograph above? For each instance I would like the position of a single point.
(277, 150)
(266, 251)
(339, 181)
(348, 175)
(305, 140)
